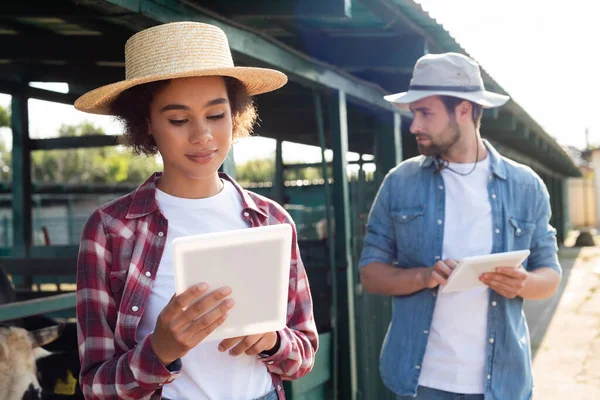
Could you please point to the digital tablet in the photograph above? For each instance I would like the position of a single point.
(467, 272)
(253, 262)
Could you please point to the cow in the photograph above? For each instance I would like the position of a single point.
(38, 355)
(19, 352)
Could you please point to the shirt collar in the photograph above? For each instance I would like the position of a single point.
(144, 198)
(496, 165)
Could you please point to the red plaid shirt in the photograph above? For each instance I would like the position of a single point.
(121, 247)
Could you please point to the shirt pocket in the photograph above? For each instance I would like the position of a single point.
(408, 227)
(522, 233)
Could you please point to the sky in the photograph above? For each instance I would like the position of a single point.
(539, 51)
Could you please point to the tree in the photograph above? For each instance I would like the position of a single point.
(5, 155)
(96, 165)
(263, 170)
(79, 166)
(4, 116)
(258, 170)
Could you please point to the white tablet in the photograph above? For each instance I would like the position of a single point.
(253, 262)
(467, 272)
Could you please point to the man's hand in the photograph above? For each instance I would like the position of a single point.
(439, 273)
(506, 281)
(251, 345)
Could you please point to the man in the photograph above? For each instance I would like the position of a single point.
(460, 198)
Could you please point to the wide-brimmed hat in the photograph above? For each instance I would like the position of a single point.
(448, 74)
(178, 50)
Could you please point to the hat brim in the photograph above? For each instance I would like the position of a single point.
(484, 98)
(256, 80)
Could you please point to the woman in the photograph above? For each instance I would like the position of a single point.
(184, 99)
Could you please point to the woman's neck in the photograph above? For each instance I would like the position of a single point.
(190, 188)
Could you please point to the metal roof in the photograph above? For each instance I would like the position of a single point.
(365, 47)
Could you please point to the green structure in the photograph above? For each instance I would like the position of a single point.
(342, 57)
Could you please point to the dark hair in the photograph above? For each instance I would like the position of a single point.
(132, 109)
(451, 103)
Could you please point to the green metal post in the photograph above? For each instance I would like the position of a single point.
(21, 169)
(388, 144)
(346, 320)
(330, 247)
(277, 189)
(6, 231)
(70, 230)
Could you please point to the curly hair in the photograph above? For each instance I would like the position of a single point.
(132, 109)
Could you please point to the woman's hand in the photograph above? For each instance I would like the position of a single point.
(185, 322)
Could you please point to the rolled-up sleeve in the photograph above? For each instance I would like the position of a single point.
(544, 247)
(380, 240)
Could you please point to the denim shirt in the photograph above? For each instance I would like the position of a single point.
(405, 229)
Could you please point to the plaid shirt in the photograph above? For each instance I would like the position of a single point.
(120, 251)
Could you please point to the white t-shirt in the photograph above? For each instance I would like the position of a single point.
(456, 349)
(206, 373)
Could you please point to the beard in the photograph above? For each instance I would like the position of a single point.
(443, 143)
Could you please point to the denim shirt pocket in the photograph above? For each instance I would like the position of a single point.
(522, 233)
(409, 225)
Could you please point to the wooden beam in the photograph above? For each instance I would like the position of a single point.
(505, 122)
(388, 144)
(253, 48)
(74, 142)
(394, 54)
(337, 107)
(92, 76)
(283, 9)
(21, 167)
(82, 49)
(391, 81)
(36, 93)
(40, 306)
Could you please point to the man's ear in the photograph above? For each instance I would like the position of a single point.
(464, 110)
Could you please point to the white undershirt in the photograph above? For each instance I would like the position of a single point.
(207, 373)
(456, 349)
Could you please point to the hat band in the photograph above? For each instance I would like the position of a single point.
(447, 88)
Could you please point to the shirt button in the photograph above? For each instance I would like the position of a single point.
(161, 234)
(148, 274)
(489, 377)
(493, 196)
(426, 332)
(404, 217)
(497, 230)
(439, 221)
(270, 362)
(518, 231)
(437, 257)
(441, 187)
(491, 340)
(135, 308)
(246, 214)
(494, 303)
(418, 367)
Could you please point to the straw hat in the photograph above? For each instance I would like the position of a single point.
(178, 50)
(448, 74)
